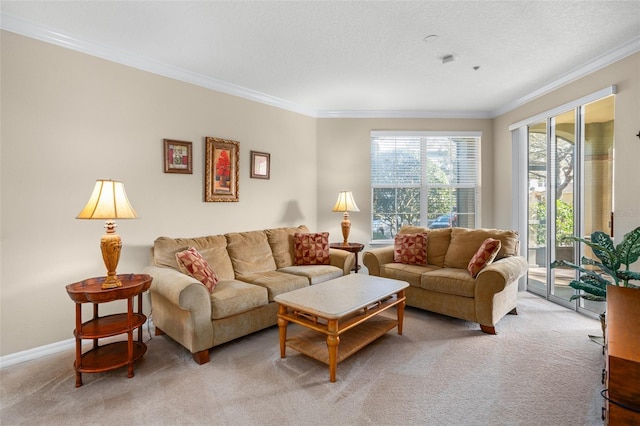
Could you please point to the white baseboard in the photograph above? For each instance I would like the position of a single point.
(40, 351)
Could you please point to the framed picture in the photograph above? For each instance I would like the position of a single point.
(260, 165)
(178, 156)
(221, 170)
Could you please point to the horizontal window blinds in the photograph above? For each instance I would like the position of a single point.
(418, 178)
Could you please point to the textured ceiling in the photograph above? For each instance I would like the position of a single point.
(340, 56)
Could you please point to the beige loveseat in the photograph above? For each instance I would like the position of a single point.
(253, 267)
(445, 285)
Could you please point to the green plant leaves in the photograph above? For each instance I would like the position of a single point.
(603, 248)
(592, 282)
(593, 290)
(629, 275)
(628, 251)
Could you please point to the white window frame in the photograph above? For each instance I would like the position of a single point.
(424, 187)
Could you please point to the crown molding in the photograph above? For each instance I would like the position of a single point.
(595, 64)
(403, 114)
(29, 29)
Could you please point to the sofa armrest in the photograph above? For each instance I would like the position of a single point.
(180, 289)
(495, 277)
(497, 288)
(342, 259)
(377, 257)
(181, 308)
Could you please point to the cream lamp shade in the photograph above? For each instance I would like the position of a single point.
(109, 202)
(345, 204)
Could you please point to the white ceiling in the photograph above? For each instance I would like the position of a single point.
(350, 58)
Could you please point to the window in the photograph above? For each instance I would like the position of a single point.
(426, 179)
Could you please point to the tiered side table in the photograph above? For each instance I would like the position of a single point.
(112, 355)
(350, 247)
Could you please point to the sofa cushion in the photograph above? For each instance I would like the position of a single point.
(311, 248)
(465, 243)
(192, 263)
(484, 256)
(438, 242)
(410, 249)
(409, 273)
(232, 297)
(281, 242)
(276, 282)
(453, 281)
(250, 252)
(315, 273)
(212, 248)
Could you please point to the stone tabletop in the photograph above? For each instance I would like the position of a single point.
(339, 297)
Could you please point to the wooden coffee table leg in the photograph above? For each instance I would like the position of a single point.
(333, 340)
(282, 327)
(400, 310)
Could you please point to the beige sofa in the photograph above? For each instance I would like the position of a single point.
(445, 286)
(253, 267)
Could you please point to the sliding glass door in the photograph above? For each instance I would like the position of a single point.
(597, 176)
(570, 187)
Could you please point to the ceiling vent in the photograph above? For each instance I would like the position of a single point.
(446, 59)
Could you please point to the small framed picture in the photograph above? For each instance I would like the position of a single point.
(221, 170)
(260, 165)
(178, 156)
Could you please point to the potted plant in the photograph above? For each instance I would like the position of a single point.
(596, 275)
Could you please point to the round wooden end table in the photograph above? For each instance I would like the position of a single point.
(354, 248)
(112, 355)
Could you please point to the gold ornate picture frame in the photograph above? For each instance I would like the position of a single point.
(178, 156)
(222, 170)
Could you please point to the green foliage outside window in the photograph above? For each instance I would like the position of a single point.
(395, 207)
(416, 179)
(564, 224)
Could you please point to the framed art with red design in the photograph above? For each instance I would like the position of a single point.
(178, 156)
(260, 165)
(222, 170)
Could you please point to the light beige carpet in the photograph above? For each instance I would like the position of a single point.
(541, 369)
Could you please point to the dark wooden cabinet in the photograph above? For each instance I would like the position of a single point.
(116, 354)
(622, 356)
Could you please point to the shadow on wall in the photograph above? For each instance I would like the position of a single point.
(292, 214)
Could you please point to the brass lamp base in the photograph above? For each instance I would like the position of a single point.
(346, 227)
(111, 282)
(111, 244)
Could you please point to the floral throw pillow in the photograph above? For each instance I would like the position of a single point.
(484, 256)
(410, 249)
(193, 264)
(311, 248)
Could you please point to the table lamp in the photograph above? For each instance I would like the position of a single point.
(109, 202)
(345, 204)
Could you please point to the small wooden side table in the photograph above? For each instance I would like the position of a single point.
(112, 355)
(350, 247)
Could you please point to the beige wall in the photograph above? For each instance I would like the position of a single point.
(625, 74)
(344, 153)
(69, 119)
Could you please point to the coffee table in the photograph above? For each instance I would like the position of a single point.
(345, 310)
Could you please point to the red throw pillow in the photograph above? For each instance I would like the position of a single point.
(192, 263)
(484, 256)
(311, 249)
(410, 249)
